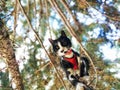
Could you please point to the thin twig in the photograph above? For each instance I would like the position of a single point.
(47, 15)
(71, 14)
(3, 69)
(40, 41)
(35, 7)
(115, 19)
(2, 1)
(44, 66)
(15, 21)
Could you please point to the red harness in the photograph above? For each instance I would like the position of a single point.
(73, 61)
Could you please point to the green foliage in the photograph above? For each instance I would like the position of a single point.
(4, 78)
(37, 71)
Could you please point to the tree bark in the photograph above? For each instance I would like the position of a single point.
(7, 52)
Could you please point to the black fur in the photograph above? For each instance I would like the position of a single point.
(64, 41)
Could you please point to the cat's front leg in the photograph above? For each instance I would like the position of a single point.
(79, 65)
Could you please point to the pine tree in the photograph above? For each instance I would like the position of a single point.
(35, 21)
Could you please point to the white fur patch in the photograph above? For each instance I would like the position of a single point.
(80, 86)
(71, 73)
(60, 53)
(62, 50)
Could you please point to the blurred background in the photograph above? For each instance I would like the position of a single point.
(95, 22)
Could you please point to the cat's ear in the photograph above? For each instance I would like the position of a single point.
(63, 33)
(51, 41)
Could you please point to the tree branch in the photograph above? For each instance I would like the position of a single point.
(70, 12)
(40, 41)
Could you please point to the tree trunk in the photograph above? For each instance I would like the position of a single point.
(7, 52)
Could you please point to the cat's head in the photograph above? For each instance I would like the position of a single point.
(62, 45)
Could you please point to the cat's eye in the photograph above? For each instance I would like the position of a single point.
(57, 47)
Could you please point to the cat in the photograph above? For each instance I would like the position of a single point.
(71, 62)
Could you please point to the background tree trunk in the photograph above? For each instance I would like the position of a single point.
(7, 52)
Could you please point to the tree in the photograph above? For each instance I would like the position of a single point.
(93, 24)
(7, 52)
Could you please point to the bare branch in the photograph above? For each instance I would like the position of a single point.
(79, 28)
(40, 41)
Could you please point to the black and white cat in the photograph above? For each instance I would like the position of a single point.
(71, 62)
